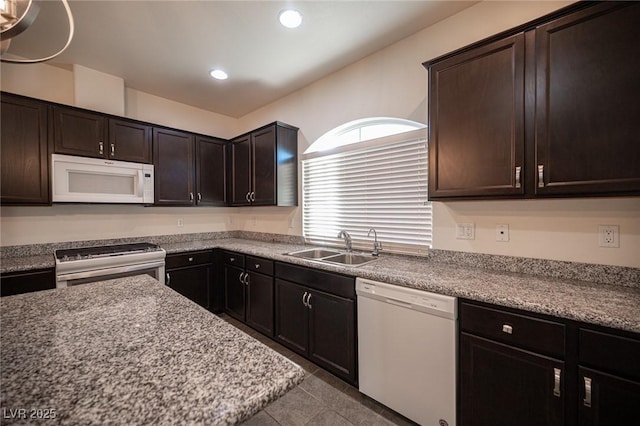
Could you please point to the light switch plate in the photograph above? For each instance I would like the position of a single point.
(465, 231)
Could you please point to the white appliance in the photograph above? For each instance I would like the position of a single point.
(94, 180)
(407, 349)
(89, 264)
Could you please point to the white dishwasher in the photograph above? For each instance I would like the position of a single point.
(407, 351)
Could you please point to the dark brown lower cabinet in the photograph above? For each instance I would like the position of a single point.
(522, 368)
(27, 281)
(504, 385)
(248, 283)
(315, 323)
(191, 274)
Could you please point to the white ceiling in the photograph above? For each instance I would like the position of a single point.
(167, 48)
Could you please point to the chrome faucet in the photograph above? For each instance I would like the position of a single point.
(377, 246)
(347, 240)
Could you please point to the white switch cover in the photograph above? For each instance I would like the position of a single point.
(465, 231)
(502, 233)
(609, 236)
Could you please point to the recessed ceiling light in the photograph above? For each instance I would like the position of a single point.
(218, 74)
(290, 18)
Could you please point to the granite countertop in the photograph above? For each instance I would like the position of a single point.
(591, 302)
(595, 303)
(131, 351)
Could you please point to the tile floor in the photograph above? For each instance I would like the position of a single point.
(321, 399)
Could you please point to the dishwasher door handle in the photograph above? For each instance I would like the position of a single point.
(398, 303)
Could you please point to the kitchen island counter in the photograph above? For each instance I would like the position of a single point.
(131, 351)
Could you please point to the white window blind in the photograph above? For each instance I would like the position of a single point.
(381, 185)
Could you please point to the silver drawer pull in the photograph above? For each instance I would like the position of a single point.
(540, 176)
(257, 266)
(587, 392)
(191, 259)
(232, 259)
(304, 296)
(556, 381)
(518, 172)
(100, 148)
(507, 329)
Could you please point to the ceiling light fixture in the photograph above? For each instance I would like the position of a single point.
(218, 74)
(16, 16)
(290, 18)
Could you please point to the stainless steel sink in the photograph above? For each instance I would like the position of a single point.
(350, 259)
(333, 256)
(315, 253)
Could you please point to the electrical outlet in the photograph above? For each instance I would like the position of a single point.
(502, 233)
(609, 236)
(180, 222)
(465, 231)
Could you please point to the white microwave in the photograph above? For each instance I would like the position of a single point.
(94, 180)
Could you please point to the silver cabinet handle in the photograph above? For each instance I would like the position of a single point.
(101, 147)
(247, 197)
(168, 279)
(191, 196)
(304, 296)
(518, 173)
(309, 301)
(506, 328)
(232, 259)
(241, 277)
(199, 197)
(253, 196)
(556, 381)
(113, 150)
(540, 176)
(587, 392)
(246, 278)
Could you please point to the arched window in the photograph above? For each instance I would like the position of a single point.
(369, 173)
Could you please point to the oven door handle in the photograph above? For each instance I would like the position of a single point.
(108, 271)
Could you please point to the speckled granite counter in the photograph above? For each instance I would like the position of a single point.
(131, 351)
(588, 298)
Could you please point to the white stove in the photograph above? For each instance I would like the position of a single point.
(89, 264)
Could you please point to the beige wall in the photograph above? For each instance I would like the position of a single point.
(392, 82)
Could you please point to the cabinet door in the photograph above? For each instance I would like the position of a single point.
(606, 399)
(28, 281)
(587, 105)
(173, 164)
(331, 333)
(23, 148)
(129, 141)
(79, 132)
(234, 292)
(264, 167)
(193, 283)
(291, 315)
(240, 181)
(476, 122)
(260, 303)
(503, 385)
(211, 171)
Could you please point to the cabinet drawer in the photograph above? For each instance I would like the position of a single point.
(187, 259)
(339, 285)
(231, 258)
(258, 264)
(607, 352)
(518, 330)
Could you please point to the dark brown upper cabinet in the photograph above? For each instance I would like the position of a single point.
(476, 136)
(24, 151)
(92, 134)
(129, 141)
(173, 160)
(548, 109)
(264, 167)
(587, 107)
(211, 171)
